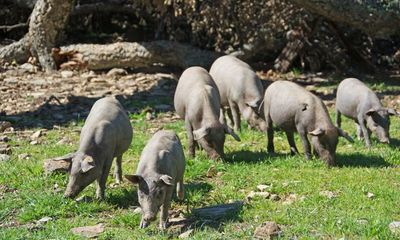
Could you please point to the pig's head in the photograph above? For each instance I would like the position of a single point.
(151, 194)
(325, 141)
(378, 122)
(83, 172)
(252, 114)
(212, 138)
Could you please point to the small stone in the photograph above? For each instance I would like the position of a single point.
(84, 198)
(149, 116)
(89, 231)
(370, 195)
(267, 230)
(4, 125)
(23, 156)
(395, 227)
(36, 135)
(67, 74)
(4, 157)
(274, 197)
(44, 220)
(137, 210)
(6, 149)
(4, 139)
(186, 234)
(262, 187)
(362, 221)
(328, 194)
(34, 142)
(253, 194)
(291, 198)
(29, 67)
(117, 72)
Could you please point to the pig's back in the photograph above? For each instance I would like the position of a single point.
(164, 140)
(192, 84)
(234, 79)
(107, 114)
(351, 94)
(284, 100)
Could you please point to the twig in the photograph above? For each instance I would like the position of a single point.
(8, 28)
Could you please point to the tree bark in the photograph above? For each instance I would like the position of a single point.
(377, 18)
(137, 55)
(47, 20)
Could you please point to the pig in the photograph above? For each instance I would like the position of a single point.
(240, 90)
(197, 101)
(160, 170)
(294, 109)
(107, 133)
(356, 101)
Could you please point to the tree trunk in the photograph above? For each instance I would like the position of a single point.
(47, 20)
(136, 55)
(377, 18)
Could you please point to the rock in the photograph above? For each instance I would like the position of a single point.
(67, 74)
(291, 198)
(5, 149)
(117, 72)
(29, 67)
(4, 139)
(44, 220)
(267, 230)
(253, 194)
(23, 156)
(162, 107)
(88, 75)
(186, 234)
(84, 198)
(59, 164)
(218, 211)
(36, 135)
(149, 116)
(89, 231)
(370, 195)
(4, 157)
(262, 187)
(328, 194)
(137, 210)
(395, 227)
(34, 142)
(4, 125)
(362, 221)
(274, 197)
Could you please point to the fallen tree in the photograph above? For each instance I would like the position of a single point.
(136, 55)
(377, 18)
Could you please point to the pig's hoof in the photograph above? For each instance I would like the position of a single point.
(144, 224)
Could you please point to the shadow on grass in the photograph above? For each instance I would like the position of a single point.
(360, 160)
(394, 143)
(124, 199)
(246, 156)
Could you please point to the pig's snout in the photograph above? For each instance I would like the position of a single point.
(69, 194)
(385, 140)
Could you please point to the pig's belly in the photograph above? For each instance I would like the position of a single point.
(283, 119)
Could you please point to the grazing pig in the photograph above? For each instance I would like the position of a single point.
(161, 168)
(292, 108)
(197, 101)
(356, 101)
(240, 89)
(107, 133)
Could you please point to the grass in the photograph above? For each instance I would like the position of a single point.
(27, 194)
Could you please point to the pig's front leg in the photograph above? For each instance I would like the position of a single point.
(292, 144)
(306, 143)
(360, 134)
(364, 130)
(189, 131)
(164, 209)
(101, 181)
(338, 118)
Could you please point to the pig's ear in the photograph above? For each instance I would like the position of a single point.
(370, 112)
(135, 179)
(162, 154)
(230, 131)
(87, 164)
(252, 104)
(166, 180)
(392, 112)
(317, 132)
(200, 133)
(345, 135)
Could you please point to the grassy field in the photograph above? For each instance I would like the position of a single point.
(303, 211)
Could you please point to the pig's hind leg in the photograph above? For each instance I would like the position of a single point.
(118, 170)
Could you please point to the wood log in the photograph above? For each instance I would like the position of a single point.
(139, 55)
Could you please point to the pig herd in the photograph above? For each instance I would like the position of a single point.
(202, 99)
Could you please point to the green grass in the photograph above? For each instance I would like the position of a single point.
(27, 194)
